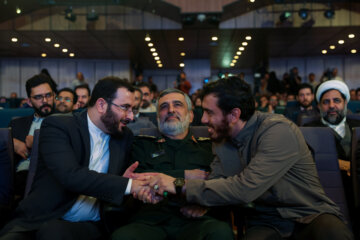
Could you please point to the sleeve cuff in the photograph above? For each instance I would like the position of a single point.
(128, 188)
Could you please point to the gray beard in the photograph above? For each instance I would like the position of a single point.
(334, 120)
(173, 129)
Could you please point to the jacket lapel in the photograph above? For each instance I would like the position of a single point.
(115, 155)
(84, 131)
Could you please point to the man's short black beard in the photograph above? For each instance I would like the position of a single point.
(222, 131)
(111, 124)
(44, 114)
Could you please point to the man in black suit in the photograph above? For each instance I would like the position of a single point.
(80, 160)
(41, 93)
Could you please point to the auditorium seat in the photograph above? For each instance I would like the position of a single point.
(355, 165)
(7, 114)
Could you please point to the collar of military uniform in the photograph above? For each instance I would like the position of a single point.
(189, 137)
(243, 135)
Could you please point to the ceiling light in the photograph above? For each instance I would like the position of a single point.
(232, 64)
(154, 54)
(182, 64)
(47, 39)
(18, 10)
(248, 38)
(147, 38)
(56, 45)
(92, 15)
(236, 57)
(64, 50)
(158, 61)
(329, 14)
(252, 1)
(157, 58)
(244, 43)
(71, 54)
(152, 49)
(14, 39)
(353, 51)
(351, 35)
(182, 54)
(150, 44)
(214, 38)
(241, 48)
(238, 53)
(341, 41)
(181, 39)
(233, 61)
(324, 51)
(303, 13)
(43, 55)
(284, 16)
(332, 47)
(160, 65)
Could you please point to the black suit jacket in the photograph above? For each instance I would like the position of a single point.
(20, 128)
(62, 172)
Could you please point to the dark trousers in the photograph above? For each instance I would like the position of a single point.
(57, 230)
(325, 226)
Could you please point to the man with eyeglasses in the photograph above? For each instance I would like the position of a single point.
(83, 163)
(40, 93)
(65, 100)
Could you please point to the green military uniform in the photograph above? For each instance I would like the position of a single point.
(164, 220)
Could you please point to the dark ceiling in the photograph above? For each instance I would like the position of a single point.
(130, 44)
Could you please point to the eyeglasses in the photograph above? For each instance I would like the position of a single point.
(125, 108)
(66, 99)
(42, 96)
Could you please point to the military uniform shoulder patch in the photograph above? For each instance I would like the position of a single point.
(146, 136)
(203, 139)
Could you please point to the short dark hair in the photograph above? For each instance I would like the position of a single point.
(305, 85)
(144, 84)
(138, 89)
(357, 90)
(232, 93)
(38, 80)
(85, 86)
(107, 87)
(70, 91)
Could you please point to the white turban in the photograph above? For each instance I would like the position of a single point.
(333, 85)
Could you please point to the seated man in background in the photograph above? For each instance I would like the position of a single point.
(177, 153)
(80, 159)
(83, 94)
(41, 98)
(305, 98)
(147, 97)
(139, 122)
(262, 161)
(65, 100)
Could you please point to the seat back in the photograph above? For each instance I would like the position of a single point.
(33, 162)
(303, 119)
(322, 141)
(7, 114)
(7, 169)
(354, 106)
(355, 164)
(197, 131)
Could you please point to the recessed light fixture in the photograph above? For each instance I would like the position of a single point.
(14, 39)
(182, 64)
(160, 65)
(150, 44)
(56, 45)
(232, 64)
(252, 1)
(214, 38)
(43, 55)
(234, 61)
(353, 51)
(152, 49)
(324, 51)
(248, 38)
(64, 50)
(154, 54)
(157, 58)
(351, 35)
(18, 10)
(238, 53)
(236, 57)
(332, 47)
(181, 39)
(147, 38)
(47, 39)
(182, 54)
(158, 61)
(71, 54)
(244, 43)
(241, 48)
(341, 41)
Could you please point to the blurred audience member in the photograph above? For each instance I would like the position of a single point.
(273, 104)
(80, 80)
(263, 88)
(83, 94)
(46, 72)
(184, 84)
(358, 94)
(65, 100)
(147, 96)
(263, 106)
(138, 79)
(353, 95)
(312, 81)
(273, 83)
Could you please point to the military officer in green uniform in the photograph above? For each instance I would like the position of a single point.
(178, 153)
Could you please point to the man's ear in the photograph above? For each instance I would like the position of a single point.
(191, 116)
(234, 115)
(29, 102)
(101, 105)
